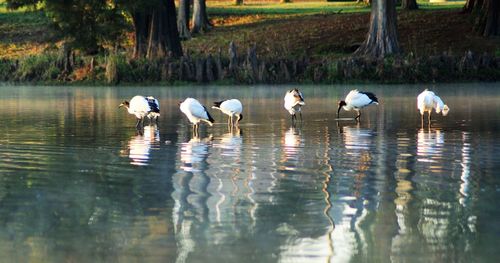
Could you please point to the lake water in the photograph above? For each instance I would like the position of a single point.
(79, 184)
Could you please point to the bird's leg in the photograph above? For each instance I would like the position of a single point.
(137, 125)
(429, 119)
(300, 112)
(359, 116)
(422, 120)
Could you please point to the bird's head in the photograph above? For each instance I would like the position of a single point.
(217, 104)
(446, 109)
(179, 103)
(340, 103)
(125, 104)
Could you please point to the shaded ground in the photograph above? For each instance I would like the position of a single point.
(332, 35)
(316, 29)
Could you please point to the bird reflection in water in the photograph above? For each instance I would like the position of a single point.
(226, 182)
(292, 144)
(465, 184)
(194, 152)
(352, 210)
(140, 145)
(430, 143)
(230, 142)
(191, 194)
(358, 142)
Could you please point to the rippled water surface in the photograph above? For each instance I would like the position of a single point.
(79, 184)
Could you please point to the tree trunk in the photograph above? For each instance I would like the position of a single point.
(489, 20)
(382, 37)
(238, 2)
(141, 24)
(473, 5)
(200, 19)
(486, 14)
(409, 5)
(156, 32)
(170, 29)
(183, 19)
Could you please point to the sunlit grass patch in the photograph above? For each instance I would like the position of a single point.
(441, 5)
(302, 8)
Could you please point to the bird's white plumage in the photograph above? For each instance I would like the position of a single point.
(231, 107)
(195, 111)
(428, 100)
(357, 100)
(139, 107)
(294, 100)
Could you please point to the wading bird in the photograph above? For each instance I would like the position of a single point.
(231, 108)
(294, 100)
(196, 113)
(428, 100)
(142, 107)
(356, 100)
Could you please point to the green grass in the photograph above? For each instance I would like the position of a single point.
(294, 8)
(307, 8)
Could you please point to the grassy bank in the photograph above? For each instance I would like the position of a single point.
(324, 33)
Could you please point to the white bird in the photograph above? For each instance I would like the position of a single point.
(294, 100)
(231, 108)
(142, 107)
(356, 100)
(196, 113)
(428, 100)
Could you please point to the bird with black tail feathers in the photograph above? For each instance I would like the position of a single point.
(356, 100)
(232, 108)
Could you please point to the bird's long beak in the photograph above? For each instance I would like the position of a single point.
(121, 105)
(338, 111)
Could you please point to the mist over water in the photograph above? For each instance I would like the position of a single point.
(79, 184)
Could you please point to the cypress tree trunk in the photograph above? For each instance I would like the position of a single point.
(200, 19)
(382, 37)
(409, 5)
(169, 29)
(141, 24)
(473, 6)
(183, 19)
(156, 31)
(486, 14)
(489, 20)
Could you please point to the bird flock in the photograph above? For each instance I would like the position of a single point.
(149, 107)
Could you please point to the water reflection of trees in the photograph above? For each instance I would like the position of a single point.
(66, 195)
(270, 194)
(354, 192)
(433, 221)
